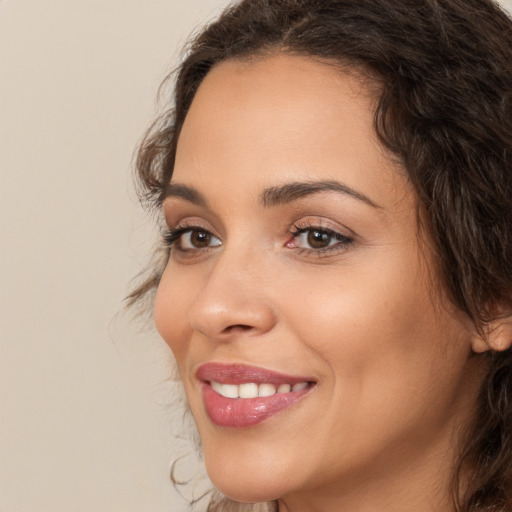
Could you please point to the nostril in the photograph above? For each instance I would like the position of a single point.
(233, 329)
(218, 313)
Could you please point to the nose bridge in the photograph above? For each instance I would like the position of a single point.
(234, 298)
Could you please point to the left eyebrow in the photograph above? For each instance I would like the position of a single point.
(289, 192)
(185, 192)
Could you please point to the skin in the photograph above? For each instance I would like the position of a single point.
(368, 320)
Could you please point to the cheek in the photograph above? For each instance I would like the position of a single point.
(378, 330)
(355, 310)
(391, 363)
(171, 314)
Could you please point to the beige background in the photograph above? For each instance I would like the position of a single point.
(84, 417)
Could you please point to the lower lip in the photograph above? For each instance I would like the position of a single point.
(246, 412)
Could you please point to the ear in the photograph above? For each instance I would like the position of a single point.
(495, 335)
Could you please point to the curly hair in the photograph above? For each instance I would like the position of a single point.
(444, 69)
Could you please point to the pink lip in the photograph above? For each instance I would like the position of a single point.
(245, 412)
(241, 374)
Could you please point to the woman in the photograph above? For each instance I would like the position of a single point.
(336, 181)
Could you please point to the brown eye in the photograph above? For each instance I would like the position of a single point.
(200, 239)
(318, 239)
(197, 239)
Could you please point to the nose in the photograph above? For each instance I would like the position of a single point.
(234, 301)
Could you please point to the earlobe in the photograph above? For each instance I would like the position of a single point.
(496, 335)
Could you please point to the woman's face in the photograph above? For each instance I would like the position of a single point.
(297, 279)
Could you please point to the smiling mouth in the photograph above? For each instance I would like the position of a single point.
(242, 396)
(255, 390)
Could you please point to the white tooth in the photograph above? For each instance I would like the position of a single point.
(229, 390)
(248, 390)
(217, 386)
(284, 388)
(299, 386)
(267, 389)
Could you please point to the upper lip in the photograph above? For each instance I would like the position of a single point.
(236, 373)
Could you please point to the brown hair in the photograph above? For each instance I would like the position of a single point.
(445, 111)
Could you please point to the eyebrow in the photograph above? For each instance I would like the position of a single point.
(274, 196)
(185, 192)
(289, 192)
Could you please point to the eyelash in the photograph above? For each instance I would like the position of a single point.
(173, 236)
(343, 241)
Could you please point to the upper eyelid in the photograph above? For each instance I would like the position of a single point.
(313, 222)
(342, 237)
(176, 207)
(332, 232)
(176, 212)
(189, 222)
(180, 230)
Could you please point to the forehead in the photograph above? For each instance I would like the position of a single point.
(283, 118)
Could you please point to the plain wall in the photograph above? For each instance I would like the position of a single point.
(84, 421)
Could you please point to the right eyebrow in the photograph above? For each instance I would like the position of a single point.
(184, 192)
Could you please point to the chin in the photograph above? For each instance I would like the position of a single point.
(246, 480)
(245, 489)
